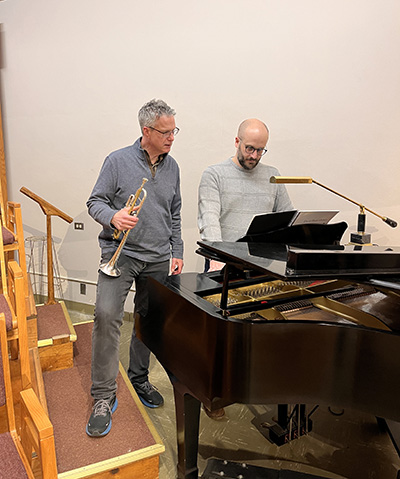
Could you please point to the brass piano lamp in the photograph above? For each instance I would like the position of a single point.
(360, 237)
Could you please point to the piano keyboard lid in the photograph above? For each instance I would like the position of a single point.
(284, 261)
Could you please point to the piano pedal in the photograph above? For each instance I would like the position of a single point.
(279, 435)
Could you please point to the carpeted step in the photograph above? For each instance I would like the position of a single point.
(132, 447)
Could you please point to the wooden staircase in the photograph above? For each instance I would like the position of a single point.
(130, 450)
(60, 369)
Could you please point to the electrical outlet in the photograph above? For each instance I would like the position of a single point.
(83, 288)
(79, 226)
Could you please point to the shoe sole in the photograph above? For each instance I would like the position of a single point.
(148, 404)
(106, 431)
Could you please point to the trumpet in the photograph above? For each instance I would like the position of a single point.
(134, 203)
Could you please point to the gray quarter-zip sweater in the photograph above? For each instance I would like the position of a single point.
(157, 235)
(230, 196)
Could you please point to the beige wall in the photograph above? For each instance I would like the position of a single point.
(324, 75)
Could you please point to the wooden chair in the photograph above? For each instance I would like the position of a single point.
(12, 304)
(36, 439)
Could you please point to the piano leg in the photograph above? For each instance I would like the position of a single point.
(187, 428)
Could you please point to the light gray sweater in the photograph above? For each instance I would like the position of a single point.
(230, 196)
(157, 235)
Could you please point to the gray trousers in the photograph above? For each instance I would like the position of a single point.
(108, 317)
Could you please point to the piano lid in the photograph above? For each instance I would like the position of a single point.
(285, 261)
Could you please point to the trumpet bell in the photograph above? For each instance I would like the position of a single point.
(110, 269)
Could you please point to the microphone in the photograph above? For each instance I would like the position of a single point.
(361, 237)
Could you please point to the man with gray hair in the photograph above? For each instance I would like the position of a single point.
(154, 249)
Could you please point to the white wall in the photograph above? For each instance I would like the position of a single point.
(324, 75)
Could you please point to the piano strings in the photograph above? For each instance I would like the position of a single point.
(335, 306)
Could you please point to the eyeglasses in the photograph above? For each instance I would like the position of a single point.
(250, 149)
(166, 134)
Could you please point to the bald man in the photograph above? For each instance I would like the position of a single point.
(232, 192)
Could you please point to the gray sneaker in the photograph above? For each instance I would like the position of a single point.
(148, 394)
(99, 423)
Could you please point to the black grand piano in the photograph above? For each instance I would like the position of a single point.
(280, 324)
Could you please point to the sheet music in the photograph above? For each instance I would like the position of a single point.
(316, 217)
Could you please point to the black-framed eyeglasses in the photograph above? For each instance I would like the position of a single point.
(168, 133)
(250, 149)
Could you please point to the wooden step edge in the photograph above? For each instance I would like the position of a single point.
(60, 339)
(71, 328)
(86, 321)
(114, 464)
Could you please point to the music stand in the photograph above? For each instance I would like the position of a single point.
(281, 227)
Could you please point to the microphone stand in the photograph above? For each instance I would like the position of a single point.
(361, 237)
